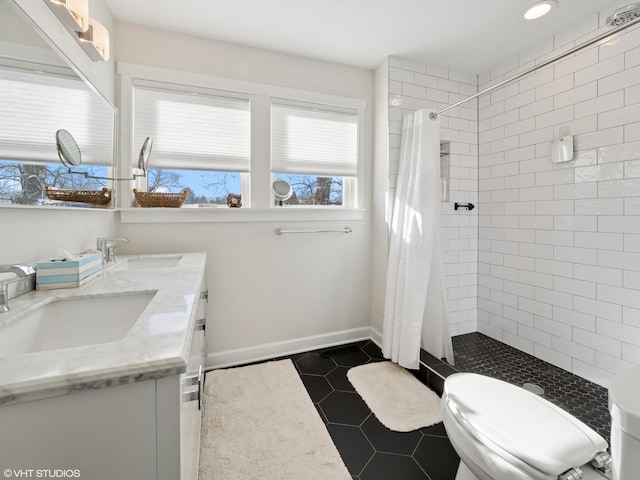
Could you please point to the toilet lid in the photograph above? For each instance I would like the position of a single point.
(524, 425)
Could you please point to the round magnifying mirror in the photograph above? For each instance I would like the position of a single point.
(68, 150)
(145, 153)
(281, 190)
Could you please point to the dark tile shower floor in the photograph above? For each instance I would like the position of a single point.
(372, 452)
(585, 400)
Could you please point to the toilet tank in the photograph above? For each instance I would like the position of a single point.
(624, 406)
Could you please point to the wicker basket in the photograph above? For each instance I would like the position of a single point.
(95, 197)
(153, 199)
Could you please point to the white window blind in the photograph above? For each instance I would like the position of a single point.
(56, 102)
(316, 140)
(191, 129)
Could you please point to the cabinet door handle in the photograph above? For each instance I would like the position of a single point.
(191, 380)
(193, 395)
(200, 388)
(200, 324)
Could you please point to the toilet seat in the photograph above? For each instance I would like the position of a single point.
(521, 428)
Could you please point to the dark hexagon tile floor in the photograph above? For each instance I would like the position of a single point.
(373, 452)
(369, 449)
(344, 408)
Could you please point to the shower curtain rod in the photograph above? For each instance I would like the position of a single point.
(434, 115)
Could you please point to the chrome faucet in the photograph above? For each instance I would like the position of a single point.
(108, 248)
(25, 282)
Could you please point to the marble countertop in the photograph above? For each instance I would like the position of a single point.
(157, 345)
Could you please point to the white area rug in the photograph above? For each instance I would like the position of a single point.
(398, 399)
(259, 423)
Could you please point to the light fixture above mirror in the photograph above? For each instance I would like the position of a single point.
(95, 41)
(92, 36)
(74, 14)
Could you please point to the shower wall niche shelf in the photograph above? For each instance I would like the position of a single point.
(445, 166)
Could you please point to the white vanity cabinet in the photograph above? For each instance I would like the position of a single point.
(144, 429)
(179, 411)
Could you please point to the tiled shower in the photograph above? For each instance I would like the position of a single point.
(559, 268)
(550, 261)
(413, 86)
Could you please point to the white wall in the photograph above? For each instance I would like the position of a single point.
(30, 234)
(187, 53)
(380, 192)
(413, 86)
(268, 293)
(559, 261)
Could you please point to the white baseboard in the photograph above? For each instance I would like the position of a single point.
(229, 358)
(376, 337)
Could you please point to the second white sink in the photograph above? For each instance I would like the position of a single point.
(72, 323)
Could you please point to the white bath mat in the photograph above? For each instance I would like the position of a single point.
(259, 423)
(398, 399)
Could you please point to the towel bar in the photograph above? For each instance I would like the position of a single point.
(280, 231)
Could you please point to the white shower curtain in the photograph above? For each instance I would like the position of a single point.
(415, 306)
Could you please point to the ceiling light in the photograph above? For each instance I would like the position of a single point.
(539, 9)
(74, 14)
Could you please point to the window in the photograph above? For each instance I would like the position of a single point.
(315, 148)
(218, 136)
(201, 140)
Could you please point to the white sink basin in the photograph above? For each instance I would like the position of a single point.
(142, 263)
(73, 322)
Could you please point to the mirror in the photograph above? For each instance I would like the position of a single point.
(145, 153)
(70, 156)
(281, 191)
(68, 149)
(41, 94)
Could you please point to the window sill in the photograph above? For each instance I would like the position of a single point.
(213, 215)
(66, 208)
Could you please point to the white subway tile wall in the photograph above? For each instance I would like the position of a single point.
(413, 86)
(559, 244)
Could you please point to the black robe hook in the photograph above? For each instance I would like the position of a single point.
(468, 206)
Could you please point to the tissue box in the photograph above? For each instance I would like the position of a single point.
(68, 272)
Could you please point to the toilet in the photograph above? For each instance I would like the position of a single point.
(624, 406)
(503, 432)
